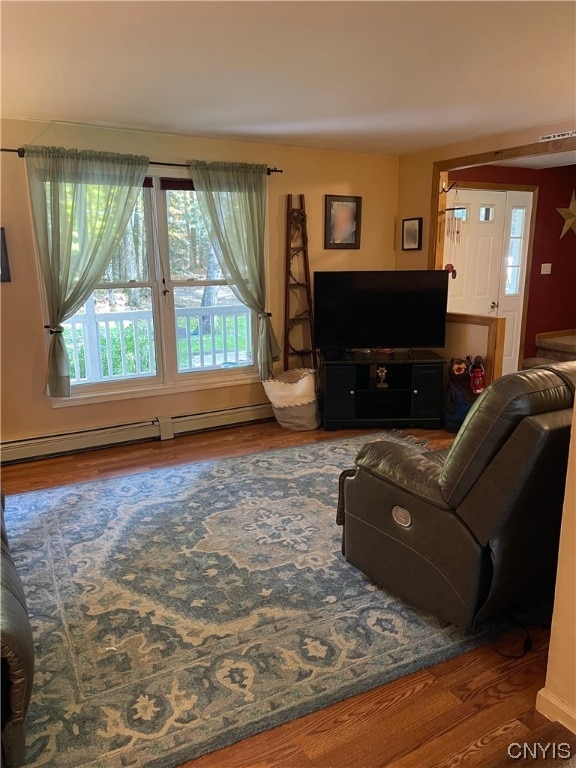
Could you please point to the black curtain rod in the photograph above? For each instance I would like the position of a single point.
(21, 152)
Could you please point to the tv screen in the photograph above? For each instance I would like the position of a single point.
(386, 309)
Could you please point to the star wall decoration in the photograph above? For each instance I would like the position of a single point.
(569, 216)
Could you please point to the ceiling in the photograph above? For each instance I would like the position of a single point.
(540, 161)
(393, 77)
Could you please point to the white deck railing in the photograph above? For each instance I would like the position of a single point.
(213, 337)
(108, 346)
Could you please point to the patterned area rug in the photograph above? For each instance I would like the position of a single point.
(180, 610)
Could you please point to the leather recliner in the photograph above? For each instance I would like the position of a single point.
(473, 530)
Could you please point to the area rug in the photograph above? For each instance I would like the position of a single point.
(180, 610)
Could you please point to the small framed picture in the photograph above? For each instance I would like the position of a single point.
(4, 266)
(342, 219)
(412, 234)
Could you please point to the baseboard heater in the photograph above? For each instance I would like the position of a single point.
(162, 428)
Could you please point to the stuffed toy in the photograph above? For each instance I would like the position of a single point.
(459, 369)
(460, 394)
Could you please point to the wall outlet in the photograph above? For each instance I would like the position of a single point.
(546, 269)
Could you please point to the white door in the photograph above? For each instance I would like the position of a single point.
(489, 256)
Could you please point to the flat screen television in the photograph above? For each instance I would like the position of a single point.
(387, 309)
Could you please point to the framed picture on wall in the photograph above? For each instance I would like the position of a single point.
(342, 220)
(4, 266)
(412, 234)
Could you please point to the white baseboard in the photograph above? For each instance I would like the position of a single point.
(226, 418)
(163, 428)
(555, 709)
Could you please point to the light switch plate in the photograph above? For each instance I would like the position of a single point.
(546, 269)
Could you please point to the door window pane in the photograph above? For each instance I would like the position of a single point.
(517, 222)
(486, 213)
(512, 281)
(213, 329)
(461, 213)
(515, 252)
(515, 248)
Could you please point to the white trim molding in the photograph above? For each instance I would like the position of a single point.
(555, 709)
(86, 394)
(163, 428)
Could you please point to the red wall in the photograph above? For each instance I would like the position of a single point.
(552, 298)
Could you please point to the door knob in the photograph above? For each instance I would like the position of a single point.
(494, 305)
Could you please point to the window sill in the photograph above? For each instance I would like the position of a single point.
(203, 382)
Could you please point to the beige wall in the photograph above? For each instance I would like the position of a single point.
(26, 412)
(558, 699)
(465, 339)
(415, 181)
(391, 189)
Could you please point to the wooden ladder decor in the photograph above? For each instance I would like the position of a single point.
(298, 312)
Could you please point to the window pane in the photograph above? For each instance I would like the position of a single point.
(515, 253)
(512, 281)
(517, 222)
(213, 329)
(486, 213)
(190, 251)
(461, 213)
(75, 340)
(112, 337)
(130, 262)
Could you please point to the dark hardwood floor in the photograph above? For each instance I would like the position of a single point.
(462, 712)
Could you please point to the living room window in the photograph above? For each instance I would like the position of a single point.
(112, 337)
(162, 312)
(213, 328)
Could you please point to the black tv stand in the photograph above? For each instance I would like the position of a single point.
(409, 393)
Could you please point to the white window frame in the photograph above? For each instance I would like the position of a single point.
(162, 240)
(167, 379)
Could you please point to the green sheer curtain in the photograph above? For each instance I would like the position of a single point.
(232, 198)
(81, 203)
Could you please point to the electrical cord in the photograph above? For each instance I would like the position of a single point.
(526, 648)
(528, 644)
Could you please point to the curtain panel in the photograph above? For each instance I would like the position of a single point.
(232, 199)
(81, 203)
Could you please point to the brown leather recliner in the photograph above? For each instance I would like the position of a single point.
(471, 531)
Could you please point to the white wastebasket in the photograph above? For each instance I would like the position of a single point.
(294, 400)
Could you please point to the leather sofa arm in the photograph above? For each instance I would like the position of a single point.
(17, 660)
(402, 465)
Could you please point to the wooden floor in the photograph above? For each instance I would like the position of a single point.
(462, 712)
(200, 446)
